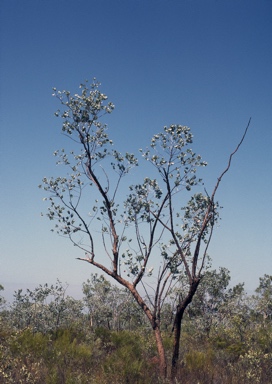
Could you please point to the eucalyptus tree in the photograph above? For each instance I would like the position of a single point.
(3, 312)
(46, 308)
(2, 300)
(215, 303)
(263, 298)
(147, 236)
(109, 305)
(99, 298)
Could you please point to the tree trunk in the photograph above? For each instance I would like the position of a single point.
(154, 324)
(177, 325)
(161, 353)
(175, 355)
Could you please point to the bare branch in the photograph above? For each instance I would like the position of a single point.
(230, 159)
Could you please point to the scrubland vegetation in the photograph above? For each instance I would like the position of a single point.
(49, 337)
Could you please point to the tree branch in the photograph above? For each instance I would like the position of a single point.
(230, 159)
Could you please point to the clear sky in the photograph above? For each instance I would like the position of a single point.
(202, 63)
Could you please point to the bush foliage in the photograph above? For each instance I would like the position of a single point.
(227, 337)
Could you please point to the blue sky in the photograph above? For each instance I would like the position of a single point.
(202, 63)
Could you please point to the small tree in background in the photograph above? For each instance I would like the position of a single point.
(143, 237)
(46, 308)
(214, 302)
(264, 297)
(2, 300)
(110, 306)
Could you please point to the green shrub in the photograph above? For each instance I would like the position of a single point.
(26, 342)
